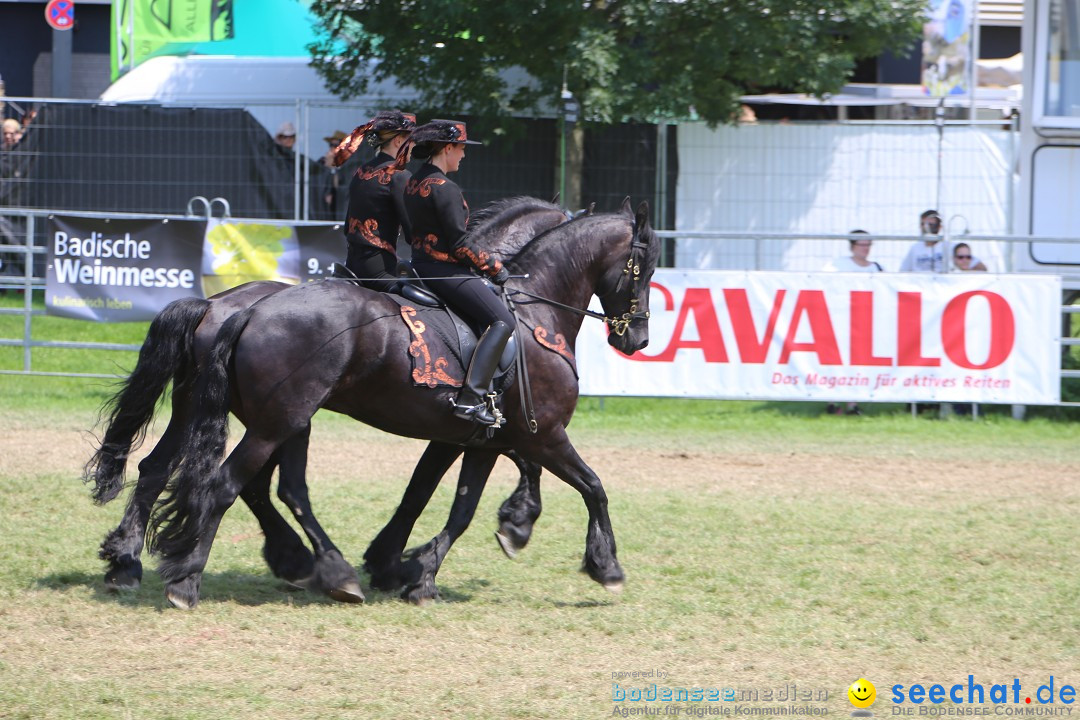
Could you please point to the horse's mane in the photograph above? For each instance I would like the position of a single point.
(646, 233)
(488, 226)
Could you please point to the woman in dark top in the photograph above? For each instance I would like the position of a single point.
(440, 249)
(376, 207)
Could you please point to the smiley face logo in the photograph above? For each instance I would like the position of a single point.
(862, 693)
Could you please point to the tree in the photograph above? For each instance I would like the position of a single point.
(622, 59)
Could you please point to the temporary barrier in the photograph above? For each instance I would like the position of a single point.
(964, 337)
(896, 337)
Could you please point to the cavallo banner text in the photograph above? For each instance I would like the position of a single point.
(891, 337)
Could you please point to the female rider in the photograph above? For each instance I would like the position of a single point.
(440, 249)
(376, 207)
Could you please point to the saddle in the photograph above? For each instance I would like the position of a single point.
(443, 342)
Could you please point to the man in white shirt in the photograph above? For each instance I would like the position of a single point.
(928, 255)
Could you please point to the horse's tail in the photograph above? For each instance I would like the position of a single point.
(189, 499)
(166, 354)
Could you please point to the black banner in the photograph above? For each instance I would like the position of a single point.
(319, 246)
(121, 270)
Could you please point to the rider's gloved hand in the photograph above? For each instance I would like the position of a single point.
(501, 277)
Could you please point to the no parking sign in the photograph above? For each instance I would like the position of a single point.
(60, 14)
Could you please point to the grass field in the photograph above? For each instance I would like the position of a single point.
(765, 546)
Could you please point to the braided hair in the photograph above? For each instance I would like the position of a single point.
(378, 130)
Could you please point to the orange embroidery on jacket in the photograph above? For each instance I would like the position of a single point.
(426, 245)
(384, 175)
(479, 259)
(422, 187)
(369, 230)
(432, 373)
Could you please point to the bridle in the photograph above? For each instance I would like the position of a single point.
(632, 272)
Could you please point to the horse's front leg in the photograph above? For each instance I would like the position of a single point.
(558, 455)
(382, 560)
(331, 574)
(423, 563)
(519, 512)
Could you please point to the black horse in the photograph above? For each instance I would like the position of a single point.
(344, 348)
(178, 343)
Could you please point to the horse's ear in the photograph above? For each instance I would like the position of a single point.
(555, 200)
(642, 217)
(625, 207)
(589, 210)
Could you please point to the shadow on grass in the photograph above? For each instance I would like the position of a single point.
(581, 604)
(246, 589)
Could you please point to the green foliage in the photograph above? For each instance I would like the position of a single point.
(622, 59)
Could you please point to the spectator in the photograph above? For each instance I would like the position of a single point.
(336, 184)
(13, 164)
(927, 255)
(12, 134)
(965, 261)
(286, 135)
(858, 261)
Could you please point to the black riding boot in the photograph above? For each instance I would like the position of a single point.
(471, 403)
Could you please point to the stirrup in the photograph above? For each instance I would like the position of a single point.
(484, 413)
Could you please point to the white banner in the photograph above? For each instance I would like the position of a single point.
(886, 337)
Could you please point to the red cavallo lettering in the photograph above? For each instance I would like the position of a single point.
(1002, 330)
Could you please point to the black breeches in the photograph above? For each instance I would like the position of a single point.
(377, 267)
(467, 294)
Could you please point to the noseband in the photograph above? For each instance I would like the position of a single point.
(631, 272)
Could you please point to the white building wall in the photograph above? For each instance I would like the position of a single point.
(831, 178)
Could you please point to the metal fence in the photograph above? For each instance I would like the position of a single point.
(28, 253)
(765, 196)
(130, 158)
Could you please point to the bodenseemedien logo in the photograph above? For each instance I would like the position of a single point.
(862, 695)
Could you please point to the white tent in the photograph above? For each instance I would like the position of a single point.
(271, 88)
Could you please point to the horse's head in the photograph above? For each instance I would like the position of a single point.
(625, 298)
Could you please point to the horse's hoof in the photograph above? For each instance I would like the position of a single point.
(121, 582)
(300, 583)
(421, 594)
(184, 593)
(178, 602)
(507, 545)
(614, 588)
(348, 593)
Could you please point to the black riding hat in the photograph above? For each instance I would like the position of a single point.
(443, 131)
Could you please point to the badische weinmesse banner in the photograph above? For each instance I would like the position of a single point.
(118, 270)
